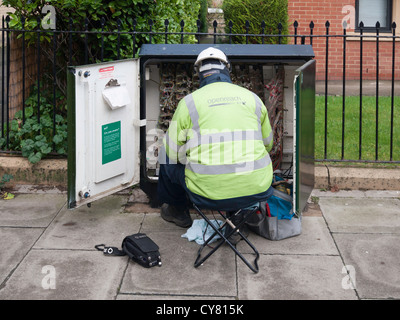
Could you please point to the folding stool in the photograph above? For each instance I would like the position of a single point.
(225, 238)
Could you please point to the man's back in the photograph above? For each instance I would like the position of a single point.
(216, 146)
(223, 126)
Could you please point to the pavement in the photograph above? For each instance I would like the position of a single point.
(348, 250)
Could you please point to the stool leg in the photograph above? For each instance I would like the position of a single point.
(216, 231)
(236, 229)
(224, 239)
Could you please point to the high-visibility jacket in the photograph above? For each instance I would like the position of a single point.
(221, 132)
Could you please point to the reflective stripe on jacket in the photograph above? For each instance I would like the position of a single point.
(222, 134)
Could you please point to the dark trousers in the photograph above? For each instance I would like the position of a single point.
(171, 185)
(172, 190)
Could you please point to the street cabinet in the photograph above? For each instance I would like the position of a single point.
(119, 111)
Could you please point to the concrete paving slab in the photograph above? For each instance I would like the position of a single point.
(171, 297)
(17, 241)
(352, 178)
(154, 223)
(354, 229)
(140, 207)
(83, 228)
(338, 194)
(382, 194)
(65, 275)
(294, 277)
(356, 193)
(31, 210)
(374, 259)
(177, 275)
(314, 239)
(380, 215)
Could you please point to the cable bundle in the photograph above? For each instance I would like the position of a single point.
(178, 80)
(275, 113)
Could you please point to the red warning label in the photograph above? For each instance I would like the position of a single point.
(108, 69)
(106, 72)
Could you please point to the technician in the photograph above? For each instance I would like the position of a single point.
(216, 146)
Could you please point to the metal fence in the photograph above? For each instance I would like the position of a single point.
(45, 62)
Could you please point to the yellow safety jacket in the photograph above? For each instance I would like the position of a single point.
(221, 132)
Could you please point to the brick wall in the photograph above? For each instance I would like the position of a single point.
(319, 11)
(16, 73)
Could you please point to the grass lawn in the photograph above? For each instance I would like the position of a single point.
(352, 128)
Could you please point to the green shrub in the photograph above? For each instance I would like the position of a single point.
(175, 11)
(35, 139)
(272, 12)
(203, 15)
(101, 14)
(109, 16)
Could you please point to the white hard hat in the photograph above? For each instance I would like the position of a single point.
(211, 53)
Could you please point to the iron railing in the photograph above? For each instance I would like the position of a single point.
(71, 37)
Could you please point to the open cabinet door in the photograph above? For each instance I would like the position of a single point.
(304, 115)
(103, 130)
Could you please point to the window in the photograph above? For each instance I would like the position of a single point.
(371, 11)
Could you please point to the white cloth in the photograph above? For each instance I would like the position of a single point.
(199, 226)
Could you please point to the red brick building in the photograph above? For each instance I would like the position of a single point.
(351, 11)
